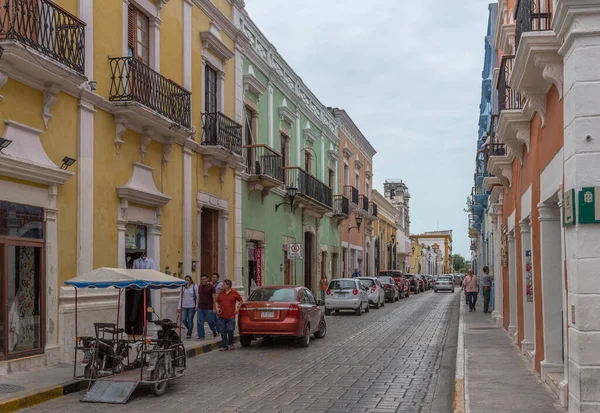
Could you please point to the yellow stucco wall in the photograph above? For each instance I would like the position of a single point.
(107, 41)
(171, 51)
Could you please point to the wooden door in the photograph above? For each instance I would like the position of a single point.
(209, 241)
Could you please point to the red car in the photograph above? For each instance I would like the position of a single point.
(281, 311)
(402, 283)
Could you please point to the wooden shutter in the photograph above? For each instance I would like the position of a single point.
(131, 29)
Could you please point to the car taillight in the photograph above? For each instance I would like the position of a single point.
(373, 288)
(294, 311)
(328, 292)
(243, 310)
(355, 291)
(437, 283)
(388, 286)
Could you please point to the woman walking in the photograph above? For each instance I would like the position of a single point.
(190, 296)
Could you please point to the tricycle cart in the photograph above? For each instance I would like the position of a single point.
(116, 364)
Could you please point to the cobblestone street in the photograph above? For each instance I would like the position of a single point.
(388, 360)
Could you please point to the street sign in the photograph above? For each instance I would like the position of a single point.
(295, 251)
(589, 209)
(569, 208)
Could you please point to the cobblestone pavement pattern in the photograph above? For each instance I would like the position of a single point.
(388, 360)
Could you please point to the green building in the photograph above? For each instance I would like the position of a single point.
(291, 147)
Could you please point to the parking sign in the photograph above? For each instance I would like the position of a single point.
(295, 251)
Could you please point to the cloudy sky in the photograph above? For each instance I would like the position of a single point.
(409, 75)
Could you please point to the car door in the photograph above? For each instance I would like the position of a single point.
(364, 296)
(313, 310)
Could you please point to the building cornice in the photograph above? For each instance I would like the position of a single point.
(353, 133)
(215, 15)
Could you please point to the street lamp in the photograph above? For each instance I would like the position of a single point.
(393, 238)
(291, 193)
(358, 222)
(4, 143)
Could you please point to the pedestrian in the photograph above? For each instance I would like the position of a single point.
(471, 289)
(226, 307)
(190, 297)
(486, 288)
(324, 284)
(218, 284)
(206, 302)
(356, 273)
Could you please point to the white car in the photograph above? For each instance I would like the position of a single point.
(376, 293)
(444, 283)
(346, 294)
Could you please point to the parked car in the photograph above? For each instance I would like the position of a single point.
(375, 291)
(458, 279)
(392, 293)
(413, 282)
(444, 283)
(422, 286)
(430, 281)
(281, 311)
(401, 283)
(346, 294)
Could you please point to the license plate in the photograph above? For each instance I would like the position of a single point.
(341, 294)
(268, 314)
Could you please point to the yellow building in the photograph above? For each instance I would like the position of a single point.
(440, 246)
(417, 257)
(121, 144)
(385, 231)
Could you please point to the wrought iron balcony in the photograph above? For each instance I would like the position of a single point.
(493, 128)
(308, 186)
(352, 194)
(134, 81)
(364, 203)
(219, 130)
(496, 149)
(530, 16)
(46, 28)
(341, 205)
(374, 211)
(263, 161)
(507, 97)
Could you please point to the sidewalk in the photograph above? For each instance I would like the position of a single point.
(496, 375)
(28, 388)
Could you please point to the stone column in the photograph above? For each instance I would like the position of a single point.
(577, 23)
(85, 188)
(224, 244)
(198, 244)
(551, 287)
(512, 283)
(52, 348)
(187, 212)
(498, 269)
(528, 343)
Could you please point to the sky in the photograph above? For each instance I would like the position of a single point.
(409, 75)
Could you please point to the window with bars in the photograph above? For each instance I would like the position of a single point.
(138, 34)
(210, 89)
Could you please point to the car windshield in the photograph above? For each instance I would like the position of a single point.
(273, 294)
(445, 279)
(342, 285)
(386, 280)
(367, 282)
(409, 276)
(389, 274)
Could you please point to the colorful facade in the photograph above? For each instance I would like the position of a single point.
(438, 251)
(396, 192)
(385, 232)
(543, 162)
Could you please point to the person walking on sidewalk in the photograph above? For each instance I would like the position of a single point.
(190, 296)
(486, 288)
(471, 289)
(206, 303)
(226, 307)
(324, 284)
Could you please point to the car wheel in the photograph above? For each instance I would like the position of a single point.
(367, 308)
(383, 302)
(327, 311)
(337, 311)
(401, 295)
(358, 310)
(322, 329)
(245, 340)
(377, 305)
(305, 341)
(435, 291)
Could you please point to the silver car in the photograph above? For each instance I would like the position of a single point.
(346, 294)
(444, 283)
(375, 291)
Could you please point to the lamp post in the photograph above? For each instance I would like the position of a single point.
(291, 193)
(358, 222)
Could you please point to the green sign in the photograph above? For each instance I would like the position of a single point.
(589, 209)
(569, 207)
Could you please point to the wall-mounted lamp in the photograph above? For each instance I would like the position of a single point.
(4, 143)
(291, 193)
(393, 237)
(413, 250)
(67, 162)
(93, 84)
(358, 222)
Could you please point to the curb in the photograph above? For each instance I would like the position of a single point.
(73, 386)
(460, 403)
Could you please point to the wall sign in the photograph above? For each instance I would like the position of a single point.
(569, 207)
(589, 209)
(528, 277)
(258, 262)
(295, 251)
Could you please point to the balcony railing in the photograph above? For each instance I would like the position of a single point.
(364, 203)
(508, 98)
(374, 211)
(261, 160)
(493, 126)
(308, 185)
(341, 205)
(219, 130)
(352, 194)
(45, 27)
(133, 81)
(531, 16)
(497, 149)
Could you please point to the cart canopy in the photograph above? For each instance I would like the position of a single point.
(123, 278)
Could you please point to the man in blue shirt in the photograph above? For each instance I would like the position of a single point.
(356, 273)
